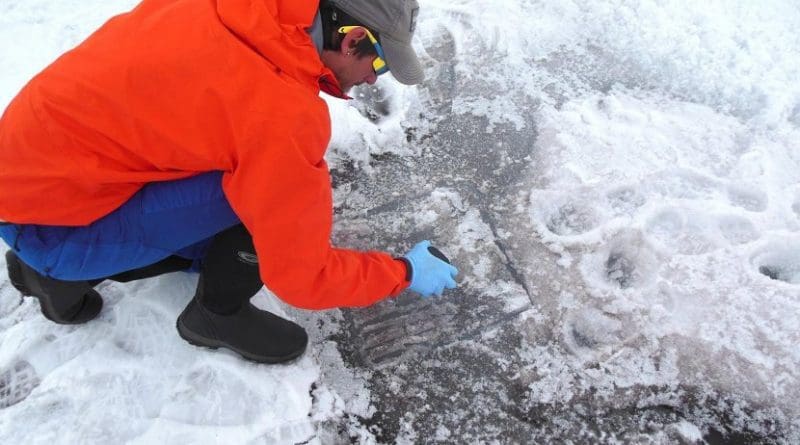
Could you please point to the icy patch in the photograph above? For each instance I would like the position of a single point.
(443, 215)
(476, 241)
(589, 329)
(689, 432)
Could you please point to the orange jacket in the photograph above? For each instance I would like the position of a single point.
(179, 87)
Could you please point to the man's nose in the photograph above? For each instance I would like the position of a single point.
(371, 78)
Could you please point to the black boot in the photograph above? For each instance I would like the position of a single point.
(64, 302)
(220, 314)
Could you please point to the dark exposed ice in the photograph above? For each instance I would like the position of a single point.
(536, 346)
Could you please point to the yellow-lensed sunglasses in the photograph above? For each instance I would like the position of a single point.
(379, 63)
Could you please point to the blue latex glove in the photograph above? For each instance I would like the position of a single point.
(430, 275)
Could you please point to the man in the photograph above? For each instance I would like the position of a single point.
(190, 134)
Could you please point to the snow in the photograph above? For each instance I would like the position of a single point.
(128, 377)
(619, 183)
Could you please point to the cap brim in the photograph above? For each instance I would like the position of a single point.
(402, 61)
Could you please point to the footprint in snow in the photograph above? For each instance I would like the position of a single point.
(779, 261)
(736, 229)
(141, 329)
(374, 102)
(625, 200)
(621, 270)
(626, 262)
(684, 184)
(589, 329)
(572, 218)
(750, 199)
(16, 383)
(681, 232)
(25, 371)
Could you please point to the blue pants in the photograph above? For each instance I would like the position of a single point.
(162, 219)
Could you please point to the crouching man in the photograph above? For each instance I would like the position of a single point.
(191, 135)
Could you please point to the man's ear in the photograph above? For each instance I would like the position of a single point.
(351, 40)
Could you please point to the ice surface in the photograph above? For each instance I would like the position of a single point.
(619, 183)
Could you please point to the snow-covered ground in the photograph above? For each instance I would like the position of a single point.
(619, 183)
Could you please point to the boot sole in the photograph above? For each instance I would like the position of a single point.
(210, 343)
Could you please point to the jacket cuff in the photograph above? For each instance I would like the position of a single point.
(409, 269)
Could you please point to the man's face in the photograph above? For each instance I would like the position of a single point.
(350, 69)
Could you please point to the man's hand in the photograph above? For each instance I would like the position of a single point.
(431, 272)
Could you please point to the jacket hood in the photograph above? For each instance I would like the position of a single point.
(277, 30)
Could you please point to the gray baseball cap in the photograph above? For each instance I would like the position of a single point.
(395, 22)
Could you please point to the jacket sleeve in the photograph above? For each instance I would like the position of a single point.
(281, 190)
